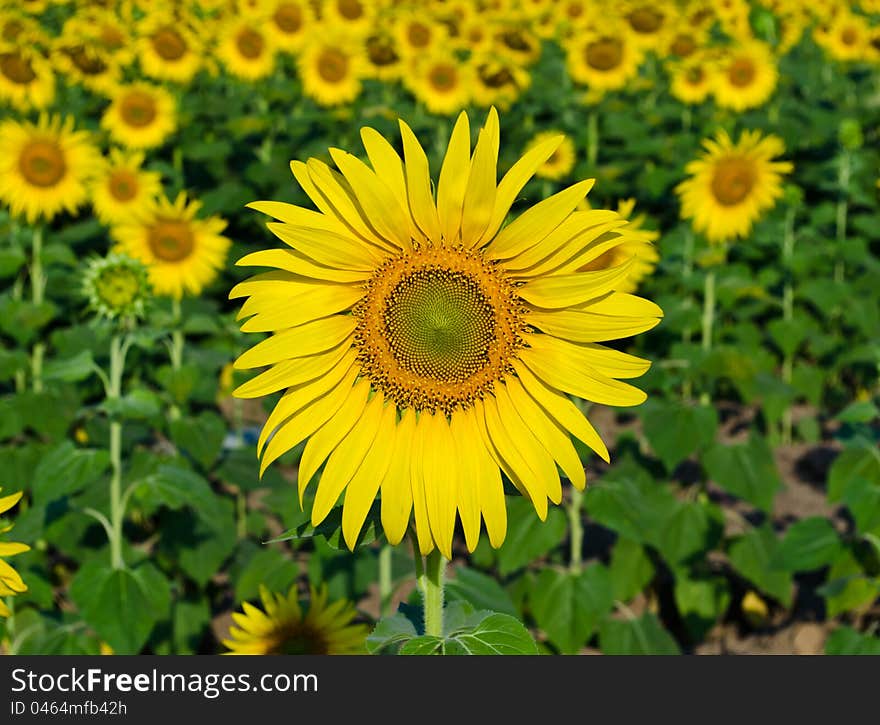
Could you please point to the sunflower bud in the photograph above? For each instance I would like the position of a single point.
(117, 288)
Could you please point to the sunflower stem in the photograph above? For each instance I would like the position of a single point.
(708, 320)
(787, 312)
(842, 211)
(431, 584)
(385, 584)
(38, 288)
(576, 530)
(592, 138)
(175, 350)
(241, 515)
(118, 349)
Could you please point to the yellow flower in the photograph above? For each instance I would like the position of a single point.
(425, 347)
(352, 16)
(691, 80)
(647, 22)
(517, 43)
(288, 23)
(45, 167)
(10, 580)
(245, 49)
(122, 189)
(498, 81)
(168, 48)
(331, 68)
(140, 115)
(86, 64)
(282, 628)
(441, 82)
(732, 185)
(26, 78)
(417, 33)
(561, 162)
(604, 60)
(846, 37)
(382, 61)
(745, 77)
(183, 253)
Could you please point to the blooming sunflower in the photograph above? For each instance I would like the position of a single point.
(122, 189)
(498, 81)
(10, 580)
(182, 252)
(168, 49)
(26, 78)
(441, 82)
(282, 628)
(331, 68)
(45, 167)
(690, 81)
(140, 116)
(604, 61)
(731, 185)
(561, 161)
(647, 21)
(86, 64)
(352, 16)
(383, 62)
(246, 49)
(417, 33)
(288, 23)
(746, 77)
(426, 348)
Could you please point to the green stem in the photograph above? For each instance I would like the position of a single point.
(431, 584)
(687, 263)
(241, 515)
(38, 288)
(118, 348)
(592, 138)
(176, 335)
(842, 210)
(787, 312)
(576, 530)
(708, 319)
(385, 584)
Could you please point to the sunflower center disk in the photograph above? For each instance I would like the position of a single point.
(168, 44)
(16, 68)
(123, 185)
(741, 72)
(332, 66)
(732, 181)
(138, 109)
(288, 18)
(604, 54)
(437, 327)
(170, 240)
(250, 44)
(42, 163)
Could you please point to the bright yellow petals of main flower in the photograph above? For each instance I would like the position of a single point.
(282, 628)
(732, 185)
(45, 167)
(425, 347)
(561, 161)
(140, 116)
(182, 252)
(10, 580)
(122, 189)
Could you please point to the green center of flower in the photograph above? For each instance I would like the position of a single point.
(42, 163)
(118, 287)
(732, 181)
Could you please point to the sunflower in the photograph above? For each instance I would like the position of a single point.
(561, 161)
(331, 68)
(122, 189)
(639, 248)
(382, 61)
(26, 78)
(441, 82)
(45, 167)
(288, 23)
(498, 81)
(246, 49)
(647, 22)
(10, 580)
(169, 49)
(731, 185)
(474, 36)
(426, 348)
(517, 43)
(140, 116)
(416, 33)
(86, 64)
(746, 77)
(691, 80)
(604, 60)
(183, 253)
(352, 16)
(282, 628)
(846, 37)
(103, 30)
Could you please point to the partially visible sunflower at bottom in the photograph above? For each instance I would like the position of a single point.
(282, 627)
(10, 580)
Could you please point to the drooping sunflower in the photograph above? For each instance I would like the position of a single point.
(245, 49)
(10, 580)
(122, 189)
(26, 78)
(182, 252)
(745, 77)
(283, 628)
(169, 49)
(604, 60)
(140, 115)
(732, 185)
(441, 82)
(425, 347)
(331, 68)
(45, 167)
(561, 161)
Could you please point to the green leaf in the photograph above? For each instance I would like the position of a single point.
(847, 641)
(66, 469)
(12, 259)
(269, 567)
(330, 529)
(389, 632)
(190, 621)
(200, 546)
(848, 587)
(492, 634)
(631, 569)
(675, 430)
(23, 320)
(751, 555)
(176, 487)
(121, 605)
(808, 544)
(200, 437)
(179, 382)
(529, 538)
(685, 533)
(239, 468)
(861, 462)
(701, 602)
(72, 369)
(638, 636)
(863, 499)
(11, 423)
(481, 590)
(862, 411)
(139, 404)
(569, 606)
(746, 470)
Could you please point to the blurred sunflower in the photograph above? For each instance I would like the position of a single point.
(603, 61)
(561, 161)
(441, 82)
(86, 64)
(498, 81)
(282, 628)
(352, 16)
(745, 77)
(140, 115)
(183, 253)
(45, 167)
(425, 349)
(647, 22)
(382, 61)
(168, 48)
(122, 189)
(691, 80)
(288, 23)
(245, 49)
(10, 580)
(732, 185)
(517, 43)
(417, 33)
(331, 68)
(846, 37)
(26, 78)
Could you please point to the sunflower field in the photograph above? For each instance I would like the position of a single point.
(439, 327)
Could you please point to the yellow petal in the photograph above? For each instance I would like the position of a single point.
(7, 502)
(290, 373)
(346, 457)
(618, 303)
(562, 410)
(299, 216)
(491, 487)
(466, 443)
(340, 251)
(602, 359)
(418, 185)
(582, 326)
(307, 339)
(417, 482)
(11, 548)
(397, 501)
(453, 179)
(439, 468)
(479, 198)
(319, 300)
(566, 290)
(386, 163)
(292, 261)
